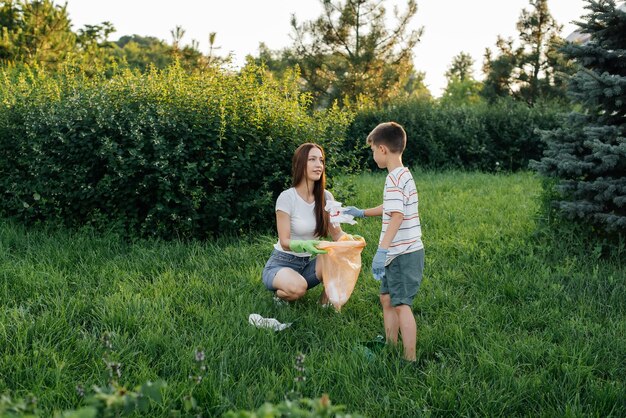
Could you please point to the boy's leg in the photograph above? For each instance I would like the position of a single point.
(404, 279)
(390, 318)
(408, 329)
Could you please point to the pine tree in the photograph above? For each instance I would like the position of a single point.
(350, 52)
(462, 87)
(587, 155)
(35, 32)
(530, 67)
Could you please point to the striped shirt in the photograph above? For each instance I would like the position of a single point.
(400, 195)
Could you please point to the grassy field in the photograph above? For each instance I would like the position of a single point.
(511, 322)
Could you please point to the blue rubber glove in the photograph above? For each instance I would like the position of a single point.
(354, 211)
(378, 263)
(305, 246)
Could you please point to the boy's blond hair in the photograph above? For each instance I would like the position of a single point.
(389, 134)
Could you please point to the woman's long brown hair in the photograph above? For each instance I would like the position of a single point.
(298, 174)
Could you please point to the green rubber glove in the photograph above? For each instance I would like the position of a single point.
(306, 246)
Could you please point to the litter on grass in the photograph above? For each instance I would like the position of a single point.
(271, 323)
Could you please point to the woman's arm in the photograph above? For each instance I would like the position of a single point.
(335, 232)
(283, 225)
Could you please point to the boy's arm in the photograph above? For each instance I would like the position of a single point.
(392, 229)
(378, 263)
(360, 213)
(377, 211)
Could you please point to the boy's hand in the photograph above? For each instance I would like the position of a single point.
(354, 211)
(306, 246)
(378, 264)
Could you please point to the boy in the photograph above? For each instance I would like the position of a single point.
(399, 260)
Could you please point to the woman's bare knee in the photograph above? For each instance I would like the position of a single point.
(289, 284)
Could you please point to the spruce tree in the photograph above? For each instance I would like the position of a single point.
(587, 154)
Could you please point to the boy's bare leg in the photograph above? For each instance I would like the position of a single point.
(408, 329)
(390, 318)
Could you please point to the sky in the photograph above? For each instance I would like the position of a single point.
(450, 26)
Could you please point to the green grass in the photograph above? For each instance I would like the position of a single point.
(511, 321)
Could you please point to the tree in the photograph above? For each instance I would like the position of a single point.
(143, 52)
(461, 87)
(348, 52)
(35, 32)
(587, 155)
(189, 56)
(530, 70)
(277, 63)
(461, 67)
(95, 49)
(539, 34)
(498, 81)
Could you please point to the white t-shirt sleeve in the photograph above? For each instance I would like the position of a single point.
(285, 202)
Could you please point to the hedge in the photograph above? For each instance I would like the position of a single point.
(486, 137)
(164, 154)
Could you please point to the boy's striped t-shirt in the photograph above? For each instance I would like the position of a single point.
(400, 195)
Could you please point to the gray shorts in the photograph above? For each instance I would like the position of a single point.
(305, 266)
(403, 277)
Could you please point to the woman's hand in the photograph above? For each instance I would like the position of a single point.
(306, 246)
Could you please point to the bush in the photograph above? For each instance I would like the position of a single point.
(161, 154)
(476, 136)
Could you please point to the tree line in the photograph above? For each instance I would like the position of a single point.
(354, 57)
(352, 53)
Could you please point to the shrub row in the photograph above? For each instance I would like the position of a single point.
(172, 154)
(161, 154)
(482, 136)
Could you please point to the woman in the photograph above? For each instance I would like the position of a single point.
(301, 221)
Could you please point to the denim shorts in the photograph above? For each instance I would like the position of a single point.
(403, 277)
(305, 266)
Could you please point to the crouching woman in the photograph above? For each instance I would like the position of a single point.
(301, 222)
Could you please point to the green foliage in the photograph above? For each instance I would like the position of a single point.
(115, 400)
(586, 155)
(39, 33)
(531, 69)
(512, 321)
(18, 407)
(300, 408)
(350, 53)
(462, 87)
(461, 67)
(461, 91)
(35, 32)
(162, 154)
(481, 136)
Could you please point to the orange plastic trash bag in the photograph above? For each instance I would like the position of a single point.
(340, 266)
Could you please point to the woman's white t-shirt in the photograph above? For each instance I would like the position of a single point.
(301, 217)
